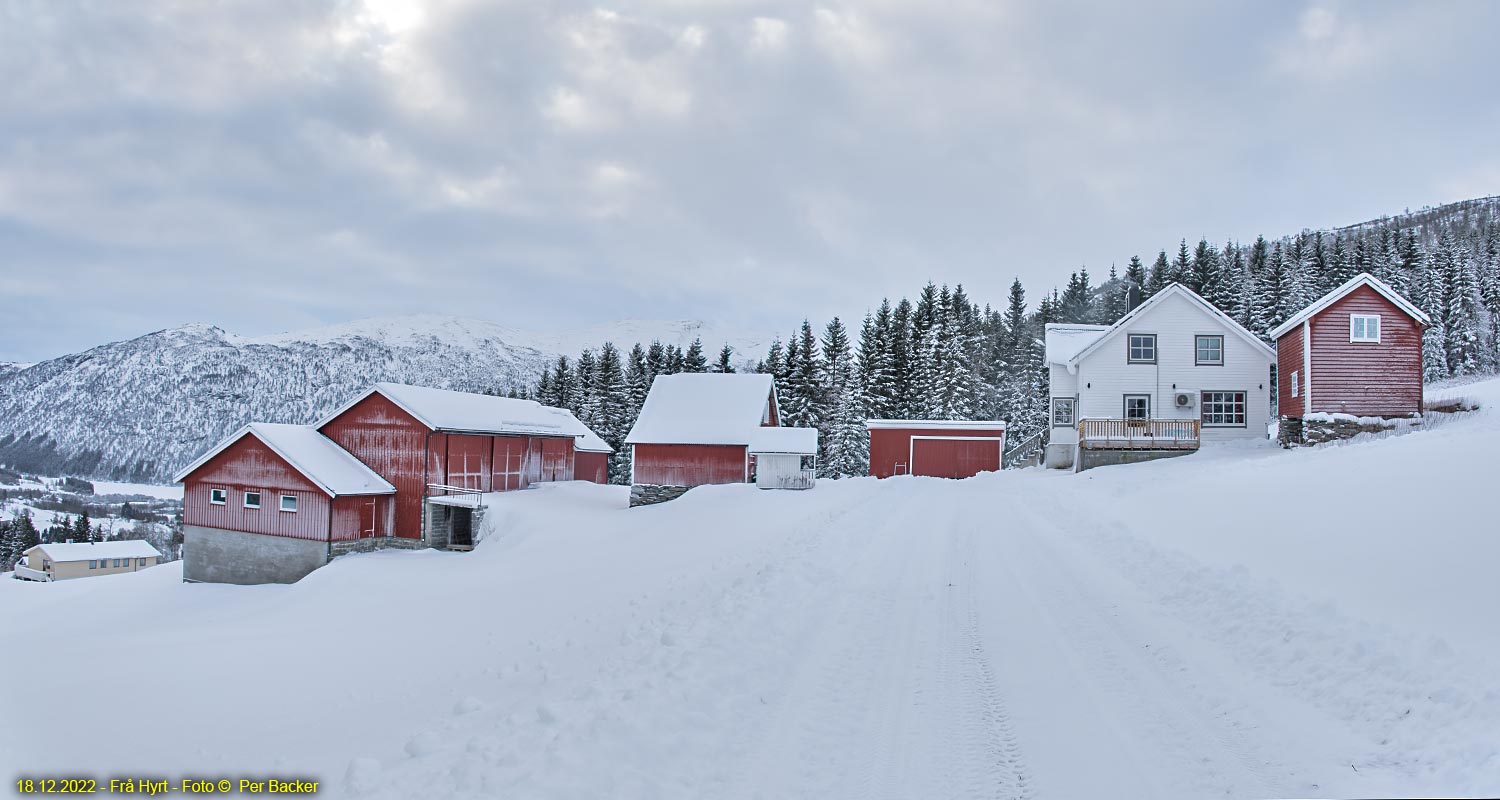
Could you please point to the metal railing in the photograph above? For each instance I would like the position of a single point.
(1138, 434)
(1026, 452)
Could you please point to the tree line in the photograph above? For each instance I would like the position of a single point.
(944, 356)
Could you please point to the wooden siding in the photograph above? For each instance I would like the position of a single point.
(509, 458)
(556, 457)
(893, 451)
(249, 465)
(393, 444)
(591, 467)
(689, 464)
(362, 516)
(1366, 379)
(468, 461)
(1289, 360)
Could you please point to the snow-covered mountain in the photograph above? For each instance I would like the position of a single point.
(136, 410)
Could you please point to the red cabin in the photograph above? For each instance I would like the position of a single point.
(415, 442)
(694, 429)
(935, 448)
(1356, 351)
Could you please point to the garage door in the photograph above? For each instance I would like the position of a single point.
(954, 458)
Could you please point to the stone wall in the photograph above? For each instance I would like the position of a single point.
(644, 494)
(1316, 430)
(371, 545)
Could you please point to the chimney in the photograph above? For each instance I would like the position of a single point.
(1132, 297)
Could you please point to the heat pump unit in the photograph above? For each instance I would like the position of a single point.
(1184, 399)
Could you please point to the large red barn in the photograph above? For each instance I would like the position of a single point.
(418, 442)
(1357, 351)
(694, 430)
(935, 448)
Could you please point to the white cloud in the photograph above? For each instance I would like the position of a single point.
(767, 34)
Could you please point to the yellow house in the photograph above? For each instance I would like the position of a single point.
(59, 562)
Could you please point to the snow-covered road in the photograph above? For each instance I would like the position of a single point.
(1140, 631)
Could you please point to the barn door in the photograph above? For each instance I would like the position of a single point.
(367, 518)
(954, 458)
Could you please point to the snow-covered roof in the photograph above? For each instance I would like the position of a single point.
(1362, 279)
(584, 438)
(447, 410)
(1063, 341)
(1173, 290)
(316, 456)
(934, 424)
(703, 408)
(802, 441)
(84, 551)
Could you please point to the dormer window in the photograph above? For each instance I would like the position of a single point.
(1364, 327)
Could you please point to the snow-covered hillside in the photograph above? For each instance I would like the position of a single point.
(137, 410)
(1243, 622)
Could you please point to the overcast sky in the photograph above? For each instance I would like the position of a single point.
(266, 166)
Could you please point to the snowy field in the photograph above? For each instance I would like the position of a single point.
(1243, 622)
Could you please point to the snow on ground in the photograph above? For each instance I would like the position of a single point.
(1243, 622)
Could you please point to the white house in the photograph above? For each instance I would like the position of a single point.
(1172, 373)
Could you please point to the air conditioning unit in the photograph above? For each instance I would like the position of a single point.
(1184, 399)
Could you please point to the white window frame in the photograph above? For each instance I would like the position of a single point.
(1125, 406)
(1197, 350)
(249, 504)
(281, 504)
(1072, 405)
(1243, 402)
(1294, 383)
(221, 494)
(1365, 337)
(1129, 348)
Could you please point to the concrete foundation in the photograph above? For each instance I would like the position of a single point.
(1059, 455)
(1088, 459)
(642, 494)
(215, 555)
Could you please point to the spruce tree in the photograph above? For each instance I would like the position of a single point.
(876, 378)
(694, 360)
(1161, 275)
(637, 380)
(899, 339)
(847, 448)
(580, 397)
(725, 364)
(656, 359)
(1135, 273)
(1182, 266)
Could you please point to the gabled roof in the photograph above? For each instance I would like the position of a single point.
(1173, 290)
(1362, 279)
(1062, 340)
(465, 412)
(703, 408)
(84, 551)
(316, 456)
(584, 438)
(801, 441)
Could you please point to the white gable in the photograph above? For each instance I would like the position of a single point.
(703, 408)
(1145, 313)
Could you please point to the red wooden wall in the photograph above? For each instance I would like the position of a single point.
(1366, 379)
(249, 465)
(592, 467)
(689, 464)
(893, 452)
(393, 444)
(1289, 360)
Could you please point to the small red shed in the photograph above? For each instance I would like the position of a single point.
(695, 428)
(935, 448)
(1357, 350)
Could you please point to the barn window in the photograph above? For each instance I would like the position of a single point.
(1223, 409)
(1294, 383)
(289, 502)
(1137, 406)
(809, 462)
(218, 496)
(1142, 348)
(252, 499)
(1062, 412)
(1364, 327)
(1209, 351)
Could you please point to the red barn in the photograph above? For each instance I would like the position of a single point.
(418, 443)
(935, 448)
(1357, 351)
(267, 504)
(694, 429)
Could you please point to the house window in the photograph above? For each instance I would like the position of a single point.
(1294, 383)
(289, 502)
(1364, 327)
(1062, 412)
(1138, 406)
(252, 499)
(93, 565)
(1142, 348)
(1223, 409)
(46, 564)
(116, 563)
(140, 562)
(1209, 351)
(809, 462)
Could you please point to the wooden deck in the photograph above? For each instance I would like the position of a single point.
(1138, 434)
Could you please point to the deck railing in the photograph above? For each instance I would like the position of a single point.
(30, 574)
(1138, 434)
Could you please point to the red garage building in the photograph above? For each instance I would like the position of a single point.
(1356, 351)
(694, 429)
(417, 442)
(935, 448)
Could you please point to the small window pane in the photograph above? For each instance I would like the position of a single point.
(252, 499)
(1062, 411)
(288, 502)
(1142, 347)
(217, 496)
(1210, 349)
